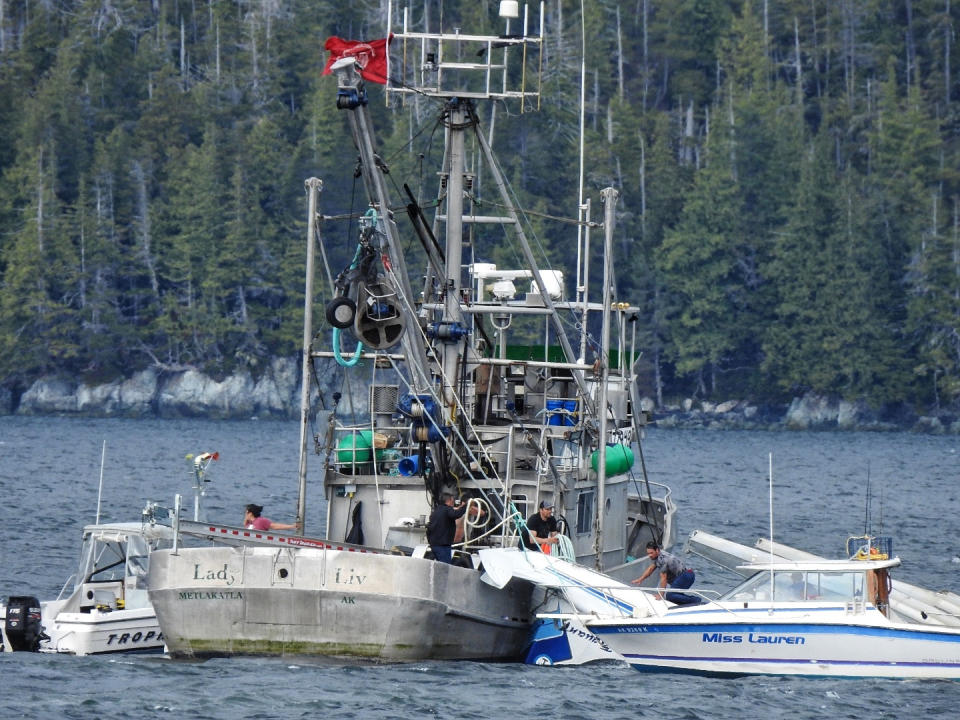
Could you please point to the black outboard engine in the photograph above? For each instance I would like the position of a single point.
(23, 627)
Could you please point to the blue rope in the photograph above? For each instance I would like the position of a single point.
(336, 331)
(336, 351)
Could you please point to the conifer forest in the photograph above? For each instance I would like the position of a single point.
(789, 178)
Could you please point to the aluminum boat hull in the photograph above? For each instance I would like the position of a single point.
(320, 602)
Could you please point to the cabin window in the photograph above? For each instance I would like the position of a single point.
(794, 586)
(102, 561)
(585, 512)
(790, 586)
(835, 585)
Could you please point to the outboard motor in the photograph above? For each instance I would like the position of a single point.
(23, 626)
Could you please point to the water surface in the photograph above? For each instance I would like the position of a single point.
(49, 478)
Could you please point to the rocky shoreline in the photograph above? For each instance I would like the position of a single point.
(810, 412)
(276, 395)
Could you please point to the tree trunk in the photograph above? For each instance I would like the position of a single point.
(911, 49)
(947, 36)
(609, 123)
(40, 202)
(183, 55)
(646, 57)
(849, 52)
(816, 47)
(643, 188)
(799, 68)
(143, 218)
(619, 56)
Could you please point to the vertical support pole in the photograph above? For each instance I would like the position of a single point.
(314, 187)
(177, 506)
(454, 249)
(609, 196)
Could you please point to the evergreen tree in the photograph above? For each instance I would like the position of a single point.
(700, 264)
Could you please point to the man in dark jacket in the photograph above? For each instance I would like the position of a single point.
(443, 526)
(543, 528)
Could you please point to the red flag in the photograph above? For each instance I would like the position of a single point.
(371, 56)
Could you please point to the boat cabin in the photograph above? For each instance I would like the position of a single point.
(849, 581)
(114, 560)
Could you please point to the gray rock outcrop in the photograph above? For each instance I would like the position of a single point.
(189, 393)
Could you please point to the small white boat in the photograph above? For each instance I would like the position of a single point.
(813, 618)
(107, 611)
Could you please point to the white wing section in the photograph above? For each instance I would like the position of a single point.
(587, 591)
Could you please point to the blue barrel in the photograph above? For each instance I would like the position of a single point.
(409, 466)
(560, 412)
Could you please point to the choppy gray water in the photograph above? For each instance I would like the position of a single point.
(49, 471)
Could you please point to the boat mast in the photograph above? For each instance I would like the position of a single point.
(583, 208)
(454, 247)
(314, 187)
(609, 196)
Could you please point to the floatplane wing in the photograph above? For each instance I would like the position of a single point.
(589, 591)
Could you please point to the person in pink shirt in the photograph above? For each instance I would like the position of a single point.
(252, 520)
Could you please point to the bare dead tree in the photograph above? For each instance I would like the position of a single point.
(142, 219)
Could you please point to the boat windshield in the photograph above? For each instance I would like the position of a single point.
(101, 561)
(113, 559)
(795, 586)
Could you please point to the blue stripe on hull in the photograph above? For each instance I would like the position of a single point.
(796, 628)
(831, 650)
(788, 661)
(777, 667)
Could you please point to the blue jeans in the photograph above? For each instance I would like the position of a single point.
(444, 553)
(682, 582)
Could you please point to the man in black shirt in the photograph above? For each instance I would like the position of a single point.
(443, 526)
(542, 527)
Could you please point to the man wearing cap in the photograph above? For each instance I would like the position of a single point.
(443, 526)
(542, 527)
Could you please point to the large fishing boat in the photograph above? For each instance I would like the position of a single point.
(455, 402)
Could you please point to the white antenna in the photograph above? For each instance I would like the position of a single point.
(103, 457)
(770, 472)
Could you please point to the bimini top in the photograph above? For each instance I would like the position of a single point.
(821, 565)
(120, 531)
